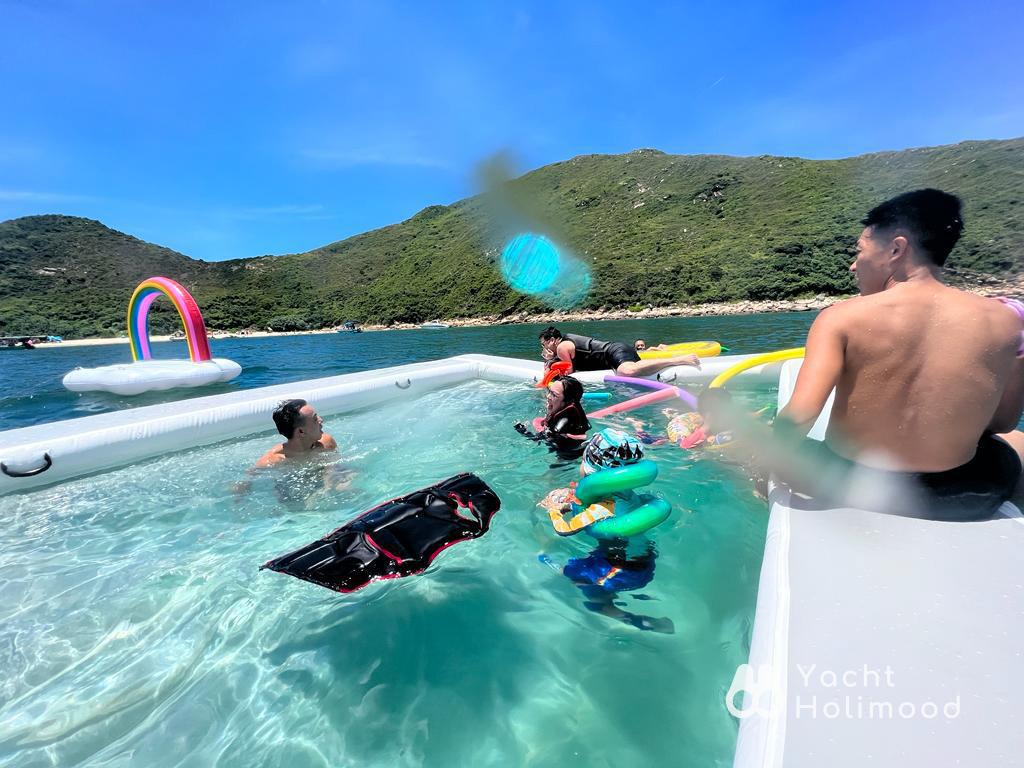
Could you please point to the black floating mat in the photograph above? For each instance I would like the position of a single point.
(398, 538)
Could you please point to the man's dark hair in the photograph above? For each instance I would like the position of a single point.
(287, 417)
(550, 333)
(930, 216)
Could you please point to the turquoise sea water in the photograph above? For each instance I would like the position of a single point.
(135, 628)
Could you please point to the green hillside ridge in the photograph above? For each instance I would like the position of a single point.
(655, 228)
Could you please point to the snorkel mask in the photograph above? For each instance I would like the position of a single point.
(611, 448)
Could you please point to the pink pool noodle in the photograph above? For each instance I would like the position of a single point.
(685, 396)
(636, 402)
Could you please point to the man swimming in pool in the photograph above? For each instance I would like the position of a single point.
(588, 354)
(929, 379)
(303, 431)
(304, 482)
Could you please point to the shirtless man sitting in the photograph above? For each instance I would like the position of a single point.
(584, 353)
(929, 379)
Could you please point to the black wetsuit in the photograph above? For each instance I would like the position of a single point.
(972, 491)
(571, 420)
(565, 434)
(596, 355)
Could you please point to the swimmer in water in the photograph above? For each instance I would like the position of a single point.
(564, 425)
(303, 430)
(609, 570)
(302, 427)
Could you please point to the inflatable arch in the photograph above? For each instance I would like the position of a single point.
(144, 374)
(142, 299)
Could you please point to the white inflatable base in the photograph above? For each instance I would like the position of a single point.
(150, 376)
(882, 640)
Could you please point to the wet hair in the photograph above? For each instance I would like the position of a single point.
(550, 333)
(287, 417)
(572, 389)
(930, 216)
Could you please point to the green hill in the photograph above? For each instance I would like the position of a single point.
(654, 228)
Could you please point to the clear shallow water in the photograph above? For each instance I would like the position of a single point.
(136, 629)
(31, 390)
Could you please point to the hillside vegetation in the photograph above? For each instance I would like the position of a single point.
(654, 228)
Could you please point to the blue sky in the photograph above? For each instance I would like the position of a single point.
(226, 130)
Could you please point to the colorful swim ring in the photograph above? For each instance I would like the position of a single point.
(687, 430)
(604, 505)
(698, 348)
(649, 513)
(632, 514)
(753, 362)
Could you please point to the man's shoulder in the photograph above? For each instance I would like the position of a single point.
(842, 311)
(274, 456)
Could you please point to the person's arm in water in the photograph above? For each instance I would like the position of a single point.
(274, 456)
(823, 364)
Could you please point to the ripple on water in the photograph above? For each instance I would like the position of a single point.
(135, 626)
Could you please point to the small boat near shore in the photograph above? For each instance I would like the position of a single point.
(434, 324)
(349, 326)
(19, 342)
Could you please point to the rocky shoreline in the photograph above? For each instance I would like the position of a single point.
(982, 286)
(689, 310)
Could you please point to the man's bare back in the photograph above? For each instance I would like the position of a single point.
(925, 367)
(922, 372)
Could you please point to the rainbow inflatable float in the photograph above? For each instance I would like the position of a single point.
(146, 374)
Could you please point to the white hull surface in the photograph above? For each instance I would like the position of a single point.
(883, 640)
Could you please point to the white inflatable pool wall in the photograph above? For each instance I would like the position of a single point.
(849, 591)
(95, 443)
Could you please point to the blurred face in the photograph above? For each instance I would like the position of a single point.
(640, 345)
(312, 425)
(874, 263)
(547, 348)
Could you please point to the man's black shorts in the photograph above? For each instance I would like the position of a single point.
(972, 491)
(618, 353)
